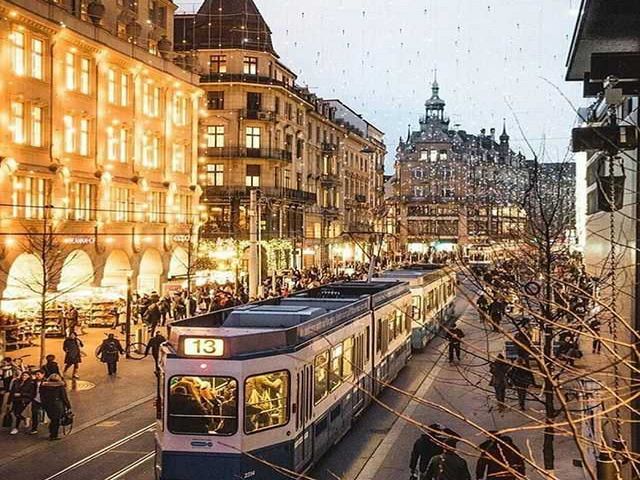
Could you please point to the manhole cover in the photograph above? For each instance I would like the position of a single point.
(80, 385)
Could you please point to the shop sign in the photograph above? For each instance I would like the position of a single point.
(80, 240)
(181, 238)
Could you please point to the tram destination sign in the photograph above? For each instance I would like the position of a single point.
(202, 347)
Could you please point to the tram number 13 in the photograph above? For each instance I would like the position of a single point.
(203, 347)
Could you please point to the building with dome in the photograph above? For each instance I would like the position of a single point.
(455, 188)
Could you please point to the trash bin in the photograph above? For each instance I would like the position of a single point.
(606, 467)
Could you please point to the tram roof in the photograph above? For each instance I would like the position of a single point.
(285, 322)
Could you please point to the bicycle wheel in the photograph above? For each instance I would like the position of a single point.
(137, 350)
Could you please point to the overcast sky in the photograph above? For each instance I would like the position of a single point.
(378, 56)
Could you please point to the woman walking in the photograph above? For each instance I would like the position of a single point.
(73, 355)
(55, 402)
(20, 396)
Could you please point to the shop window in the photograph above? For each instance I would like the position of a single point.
(266, 401)
(335, 371)
(250, 65)
(202, 406)
(320, 376)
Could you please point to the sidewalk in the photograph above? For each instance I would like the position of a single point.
(94, 397)
(464, 390)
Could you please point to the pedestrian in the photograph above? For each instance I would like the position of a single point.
(448, 465)
(55, 402)
(521, 378)
(496, 310)
(152, 317)
(454, 337)
(523, 344)
(483, 304)
(596, 344)
(20, 396)
(109, 352)
(499, 369)
(154, 346)
(72, 319)
(72, 347)
(51, 366)
(500, 459)
(37, 411)
(427, 446)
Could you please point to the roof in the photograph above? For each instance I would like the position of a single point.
(223, 24)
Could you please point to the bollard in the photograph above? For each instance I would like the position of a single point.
(606, 467)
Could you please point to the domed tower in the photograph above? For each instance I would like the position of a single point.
(434, 107)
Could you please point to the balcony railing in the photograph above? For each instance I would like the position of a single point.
(264, 115)
(257, 79)
(330, 179)
(361, 198)
(300, 196)
(240, 152)
(329, 148)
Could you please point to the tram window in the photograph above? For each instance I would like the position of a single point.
(203, 405)
(379, 335)
(266, 401)
(335, 372)
(416, 304)
(398, 322)
(348, 358)
(368, 344)
(321, 377)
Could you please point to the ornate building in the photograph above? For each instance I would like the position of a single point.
(316, 163)
(454, 188)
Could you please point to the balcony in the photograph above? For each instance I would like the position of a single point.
(298, 196)
(330, 179)
(255, 79)
(241, 152)
(361, 198)
(329, 148)
(330, 212)
(262, 115)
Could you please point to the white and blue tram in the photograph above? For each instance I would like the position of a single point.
(248, 391)
(433, 290)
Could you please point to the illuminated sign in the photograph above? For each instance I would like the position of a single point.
(203, 347)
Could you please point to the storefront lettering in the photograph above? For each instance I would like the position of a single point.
(80, 240)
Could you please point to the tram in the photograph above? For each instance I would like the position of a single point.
(262, 391)
(479, 257)
(433, 290)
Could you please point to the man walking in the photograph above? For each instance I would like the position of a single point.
(500, 459)
(448, 465)
(154, 347)
(454, 337)
(522, 378)
(37, 410)
(425, 448)
(499, 370)
(109, 352)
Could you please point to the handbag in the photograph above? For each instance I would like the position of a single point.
(67, 419)
(7, 420)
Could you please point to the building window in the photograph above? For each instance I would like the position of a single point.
(253, 137)
(83, 145)
(253, 176)
(150, 100)
(69, 134)
(266, 401)
(37, 52)
(434, 155)
(83, 197)
(112, 144)
(37, 135)
(124, 89)
(120, 205)
(157, 207)
(178, 160)
(30, 196)
(111, 86)
(215, 136)
(215, 175)
(124, 145)
(182, 207)
(250, 65)
(18, 133)
(150, 151)
(218, 64)
(19, 58)
(180, 108)
(70, 70)
(215, 100)
(85, 65)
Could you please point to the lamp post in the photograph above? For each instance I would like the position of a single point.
(127, 325)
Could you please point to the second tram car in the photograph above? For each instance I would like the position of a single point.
(262, 391)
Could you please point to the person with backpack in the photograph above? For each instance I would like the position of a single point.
(448, 465)
(425, 448)
(109, 352)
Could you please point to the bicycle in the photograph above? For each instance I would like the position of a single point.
(137, 351)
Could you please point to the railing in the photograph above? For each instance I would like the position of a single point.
(273, 192)
(264, 115)
(329, 179)
(244, 78)
(328, 147)
(361, 198)
(231, 152)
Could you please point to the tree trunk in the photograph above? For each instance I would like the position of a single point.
(43, 322)
(548, 449)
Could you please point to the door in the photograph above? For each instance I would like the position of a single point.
(303, 446)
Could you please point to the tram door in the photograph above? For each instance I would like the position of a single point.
(303, 446)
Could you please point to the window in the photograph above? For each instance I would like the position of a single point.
(37, 52)
(180, 108)
(335, 371)
(111, 86)
(250, 65)
(347, 358)
(69, 134)
(178, 160)
(215, 100)
(83, 198)
(434, 155)
(182, 207)
(18, 57)
(37, 136)
(218, 64)
(124, 145)
(215, 174)
(157, 209)
(70, 70)
(112, 144)
(320, 377)
(150, 151)
(124, 89)
(85, 65)
(150, 99)
(120, 206)
(203, 406)
(215, 136)
(30, 196)
(266, 401)
(253, 176)
(18, 133)
(83, 146)
(253, 137)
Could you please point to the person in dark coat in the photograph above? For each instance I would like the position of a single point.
(521, 378)
(20, 396)
(424, 449)
(497, 453)
(187, 414)
(55, 402)
(448, 465)
(454, 337)
(499, 370)
(496, 310)
(72, 348)
(51, 366)
(152, 317)
(109, 352)
(36, 403)
(154, 347)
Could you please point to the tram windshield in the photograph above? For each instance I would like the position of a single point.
(203, 405)
(266, 401)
